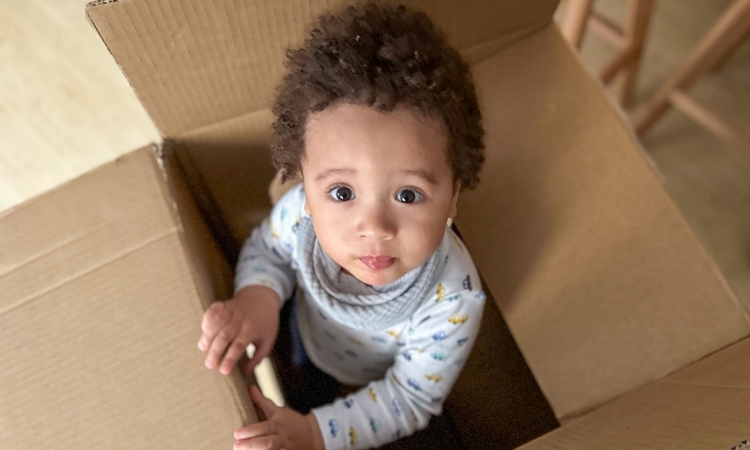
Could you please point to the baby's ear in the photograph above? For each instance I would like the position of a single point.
(454, 201)
(307, 209)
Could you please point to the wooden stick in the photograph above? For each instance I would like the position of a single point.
(710, 120)
(719, 64)
(623, 59)
(636, 26)
(606, 29)
(574, 22)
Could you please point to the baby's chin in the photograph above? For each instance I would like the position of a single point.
(376, 277)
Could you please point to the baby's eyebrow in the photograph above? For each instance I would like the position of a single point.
(330, 172)
(427, 176)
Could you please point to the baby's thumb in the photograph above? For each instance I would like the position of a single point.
(267, 406)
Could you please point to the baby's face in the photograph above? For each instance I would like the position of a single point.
(379, 188)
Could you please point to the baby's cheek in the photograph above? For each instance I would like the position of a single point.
(434, 231)
(326, 231)
(335, 242)
(423, 240)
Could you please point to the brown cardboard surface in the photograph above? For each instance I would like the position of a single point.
(600, 279)
(230, 163)
(729, 368)
(214, 276)
(705, 406)
(99, 320)
(194, 63)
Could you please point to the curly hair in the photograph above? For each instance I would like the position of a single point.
(381, 57)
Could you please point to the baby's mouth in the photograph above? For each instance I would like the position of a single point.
(378, 262)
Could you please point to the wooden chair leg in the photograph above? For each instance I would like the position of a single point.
(628, 60)
(575, 19)
(719, 40)
(636, 26)
(606, 30)
(629, 41)
(710, 120)
(719, 64)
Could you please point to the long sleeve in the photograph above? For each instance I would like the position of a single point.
(434, 348)
(266, 257)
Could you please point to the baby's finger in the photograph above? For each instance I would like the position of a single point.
(235, 351)
(219, 345)
(204, 343)
(266, 428)
(259, 443)
(268, 407)
(215, 317)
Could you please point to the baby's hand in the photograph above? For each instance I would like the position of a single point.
(252, 317)
(283, 428)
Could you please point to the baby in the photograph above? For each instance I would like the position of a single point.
(379, 118)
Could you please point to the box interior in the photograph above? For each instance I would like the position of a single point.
(486, 393)
(578, 247)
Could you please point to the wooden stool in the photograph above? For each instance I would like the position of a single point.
(724, 37)
(579, 15)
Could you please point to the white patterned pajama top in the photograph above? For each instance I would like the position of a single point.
(406, 369)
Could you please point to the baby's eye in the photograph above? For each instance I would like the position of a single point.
(408, 196)
(341, 193)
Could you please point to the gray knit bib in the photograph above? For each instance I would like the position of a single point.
(347, 299)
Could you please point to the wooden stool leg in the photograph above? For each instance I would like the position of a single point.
(639, 14)
(711, 120)
(719, 64)
(574, 21)
(719, 40)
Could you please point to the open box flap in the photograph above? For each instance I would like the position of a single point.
(600, 278)
(706, 405)
(99, 304)
(197, 62)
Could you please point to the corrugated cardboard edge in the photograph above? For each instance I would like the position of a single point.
(101, 2)
(236, 383)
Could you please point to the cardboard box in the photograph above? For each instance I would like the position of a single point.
(605, 288)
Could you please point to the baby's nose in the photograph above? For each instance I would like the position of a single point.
(377, 223)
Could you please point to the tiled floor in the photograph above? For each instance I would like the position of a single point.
(66, 108)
